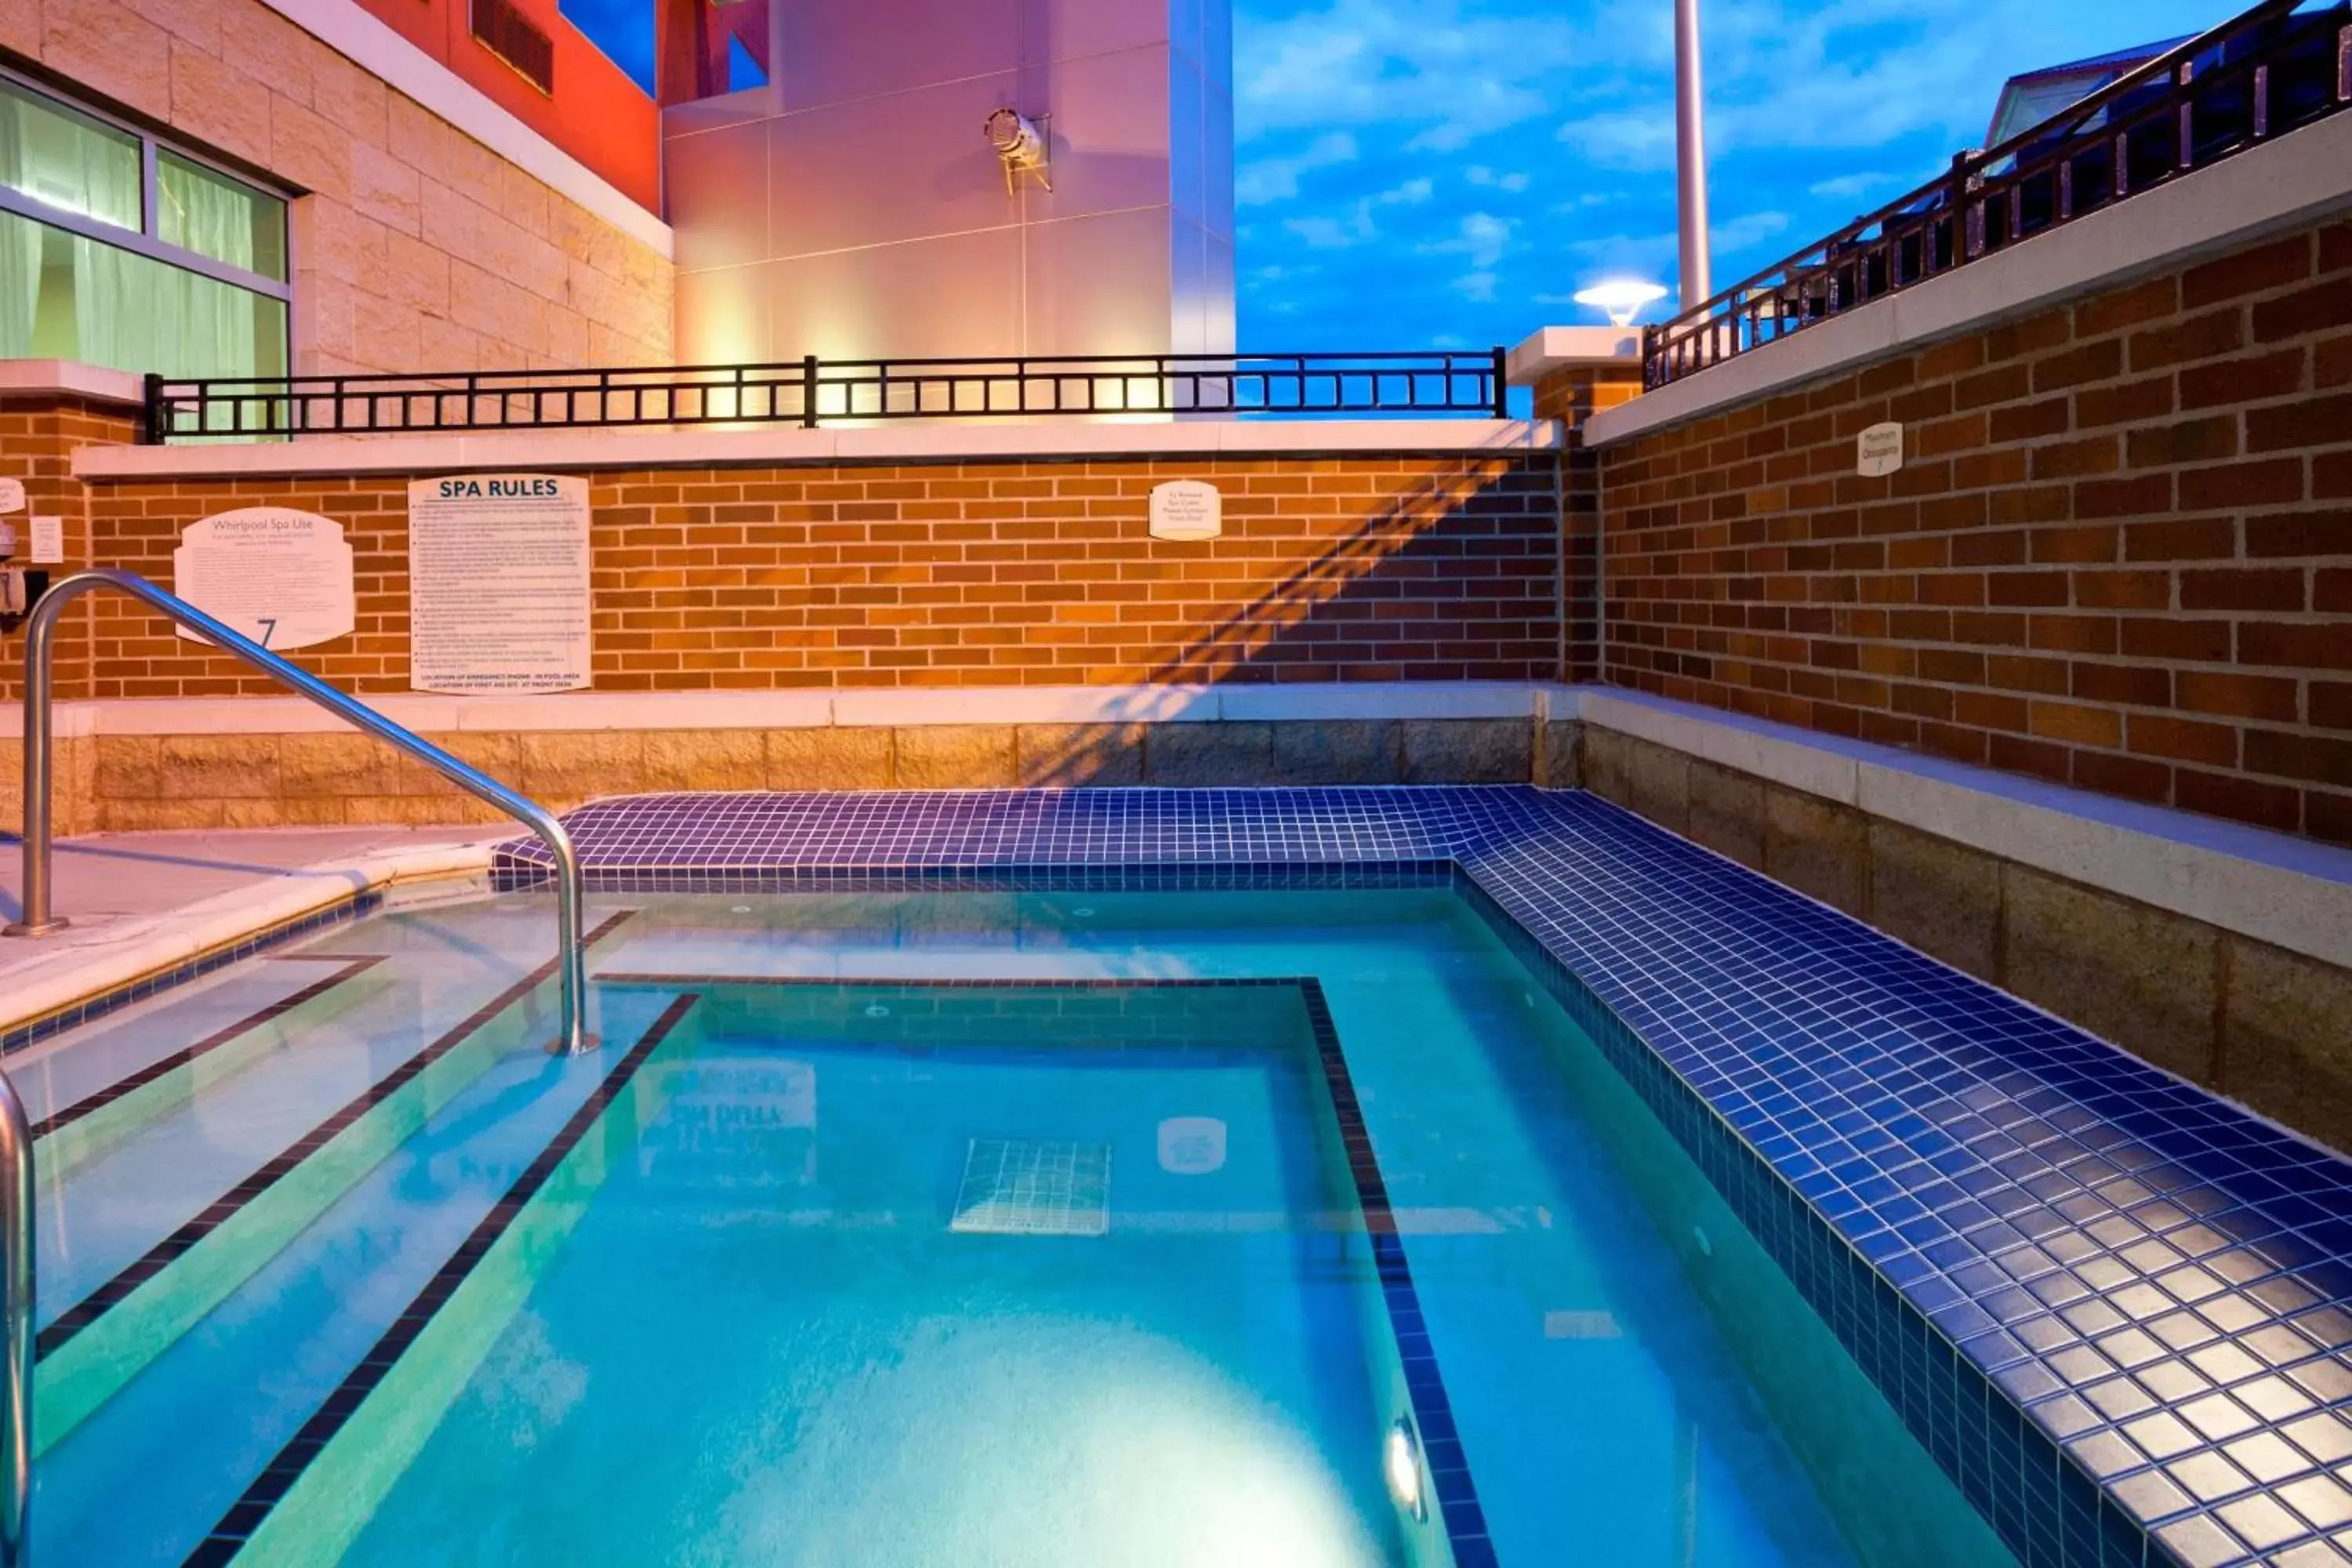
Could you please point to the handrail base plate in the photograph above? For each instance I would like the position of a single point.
(46, 927)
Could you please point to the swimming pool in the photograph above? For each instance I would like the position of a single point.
(1628, 1250)
(921, 1228)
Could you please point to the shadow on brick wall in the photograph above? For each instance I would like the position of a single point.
(1458, 578)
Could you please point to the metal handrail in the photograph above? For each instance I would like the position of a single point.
(16, 1325)
(38, 920)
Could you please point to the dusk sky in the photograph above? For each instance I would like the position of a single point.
(1447, 173)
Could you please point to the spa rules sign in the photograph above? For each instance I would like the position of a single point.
(497, 584)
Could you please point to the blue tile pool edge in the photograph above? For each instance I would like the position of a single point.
(1966, 1421)
(32, 1031)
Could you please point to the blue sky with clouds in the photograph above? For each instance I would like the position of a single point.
(1447, 173)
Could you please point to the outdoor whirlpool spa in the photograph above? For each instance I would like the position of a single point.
(1319, 1178)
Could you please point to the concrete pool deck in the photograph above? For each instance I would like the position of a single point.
(140, 902)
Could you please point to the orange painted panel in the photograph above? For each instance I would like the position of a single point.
(596, 113)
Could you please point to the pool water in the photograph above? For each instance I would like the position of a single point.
(914, 1228)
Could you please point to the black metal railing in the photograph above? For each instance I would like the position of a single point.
(809, 391)
(2278, 66)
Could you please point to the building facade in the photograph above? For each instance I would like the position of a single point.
(265, 187)
(850, 205)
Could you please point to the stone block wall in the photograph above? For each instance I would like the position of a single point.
(2263, 1025)
(1367, 568)
(415, 247)
(133, 783)
(2119, 554)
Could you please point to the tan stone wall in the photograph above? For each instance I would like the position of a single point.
(138, 783)
(417, 248)
(2264, 1025)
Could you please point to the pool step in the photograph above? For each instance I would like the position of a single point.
(89, 1349)
(245, 1346)
(66, 1139)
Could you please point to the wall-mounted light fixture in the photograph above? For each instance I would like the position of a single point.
(1022, 147)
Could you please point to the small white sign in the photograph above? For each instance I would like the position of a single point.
(48, 542)
(1192, 1146)
(12, 495)
(497, 584)
(1187, 509)
(280, 576)
(1878, 450)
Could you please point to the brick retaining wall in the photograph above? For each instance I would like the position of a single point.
(1374, 568)
(2119, 554)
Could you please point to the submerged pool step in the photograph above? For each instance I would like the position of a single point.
(91, 1350)
(218, 1410)
(310, 1502)
(66, 1139)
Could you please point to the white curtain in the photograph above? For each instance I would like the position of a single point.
(20, 284)
(68, 162)
(206, 213)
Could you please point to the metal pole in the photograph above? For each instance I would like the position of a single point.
(35, 918)
(1690, 156)
(38, 921)
(17, 1312)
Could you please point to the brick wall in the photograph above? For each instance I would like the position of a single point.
(417, 247)
(1362, 569)
(2119, 554)
(1572, 396)
(38, 438)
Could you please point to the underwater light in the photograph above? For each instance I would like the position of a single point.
(1624, 299)
(1402, 1461)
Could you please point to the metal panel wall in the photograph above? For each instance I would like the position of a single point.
(852, 208)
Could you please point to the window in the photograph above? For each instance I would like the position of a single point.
(118, 251)
(515, 38)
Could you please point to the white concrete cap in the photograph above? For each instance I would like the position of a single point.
(1549, 349)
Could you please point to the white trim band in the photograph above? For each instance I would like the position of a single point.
(70, 378)
(828, 445)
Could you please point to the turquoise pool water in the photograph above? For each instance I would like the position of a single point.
(868, 1269)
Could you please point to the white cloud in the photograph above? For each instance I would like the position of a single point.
(1481, 236)
(1417, 189)
(1479, 174)
(1846, 187)
(1322, 231)
(1637, 140)
(1478, 286)
(1262, 180)
(1439, 73)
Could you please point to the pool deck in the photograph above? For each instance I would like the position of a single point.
(140, 904)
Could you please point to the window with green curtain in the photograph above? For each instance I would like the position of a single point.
(63, 296)
(68, 160)
(214, 216)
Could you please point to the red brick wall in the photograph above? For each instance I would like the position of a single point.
(2119, 554)
(38, 437)
(1362, 569)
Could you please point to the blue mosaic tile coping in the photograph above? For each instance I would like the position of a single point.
(2117, 1309)
(32, 1031)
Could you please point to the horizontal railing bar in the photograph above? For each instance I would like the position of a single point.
(1317, 381)
(1991, 200)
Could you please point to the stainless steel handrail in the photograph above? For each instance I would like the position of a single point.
(40, 627)
(16, 1324)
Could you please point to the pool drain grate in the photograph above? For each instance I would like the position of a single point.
(1030, 1186)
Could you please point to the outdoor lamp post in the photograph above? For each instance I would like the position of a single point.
(1690, 155)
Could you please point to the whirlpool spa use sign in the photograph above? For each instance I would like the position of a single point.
(497, 584)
